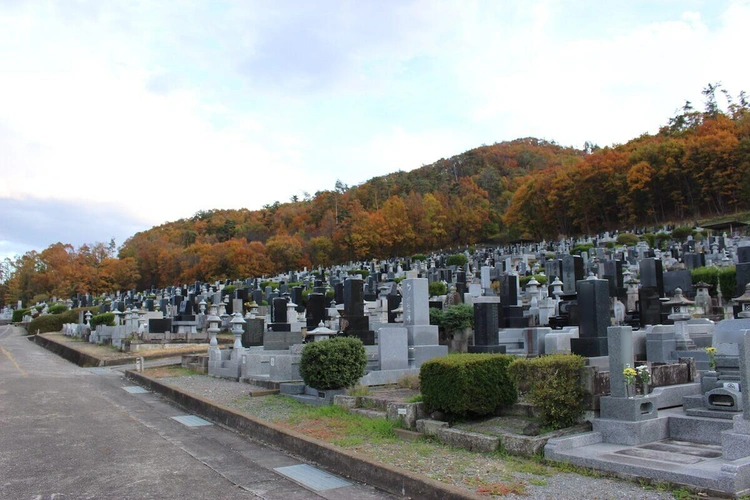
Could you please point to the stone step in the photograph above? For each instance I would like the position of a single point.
(697, 429)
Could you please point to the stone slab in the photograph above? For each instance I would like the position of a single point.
(632, 433)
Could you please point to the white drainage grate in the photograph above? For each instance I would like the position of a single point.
(313, 478)
(135, 389)
(191, 421)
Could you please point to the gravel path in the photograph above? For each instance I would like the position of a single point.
(491, 474)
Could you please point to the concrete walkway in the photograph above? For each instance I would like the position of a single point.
(70, 432)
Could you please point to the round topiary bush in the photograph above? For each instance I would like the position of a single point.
(333, 364)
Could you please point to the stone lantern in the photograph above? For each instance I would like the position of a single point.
(118, 315)
(679, 307)
(322, 332)
(744, 302)
(557, 287)
(202, 306)
(703, 297)
(213, 329)
(88, 318)
(532, 288)
(237, 330)
(141, 321)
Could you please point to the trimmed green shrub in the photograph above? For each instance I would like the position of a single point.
(457, 259)
(467, 384)
(553, 385)
(437, 288)
(436, 316)
(18, 315)
(106, 319)
(524, 280)
(419, 256)
(579, 249)
(52, 322)
(57, 308)
(628, 239)
(725, 277)
(682, 232)
(364, 272)
(228, 290)
(335, 363)
(650, 238)
(457, 317)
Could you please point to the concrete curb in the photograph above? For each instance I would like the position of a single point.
(357, 468)
(67, 352)
(82, 359)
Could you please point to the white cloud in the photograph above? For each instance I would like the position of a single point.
(158, 110)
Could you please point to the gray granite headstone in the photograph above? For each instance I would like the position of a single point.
(572, 272)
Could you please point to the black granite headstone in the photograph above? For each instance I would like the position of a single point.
(486, 324)
(652, 275)
(254, 330)
(742, 276)
(649, 305)
(743, 254)
(338, 293)
(593, 306)
(393, 302)
(156, 325)
(296, 296)
(279, 310)
(354, 304)
(509, 290)
(315, 312)
(678, 279)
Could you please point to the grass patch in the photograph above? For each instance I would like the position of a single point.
(335, 425)
(169, 371)
(415, 399)
(527, 466)
(575, 469)
(358, 390)
(497, 488)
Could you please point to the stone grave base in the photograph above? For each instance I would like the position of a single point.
(318, 397)
(221, 364)
(703, 453)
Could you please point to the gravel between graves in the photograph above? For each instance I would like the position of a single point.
(473, 471)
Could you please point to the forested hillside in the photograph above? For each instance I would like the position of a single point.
(698, 165)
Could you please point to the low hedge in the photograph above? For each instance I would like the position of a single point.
(18, 315)
(457, 259)
(467, 384)
(52, 322)
(106, 319)
(335, 363)
(553, 386)
(57, 308)
(437, 288)
(724, 278)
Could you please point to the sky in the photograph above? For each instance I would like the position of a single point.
(117, 116)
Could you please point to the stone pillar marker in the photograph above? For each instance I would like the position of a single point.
(745, 375)
(735, 443)
(620, 345)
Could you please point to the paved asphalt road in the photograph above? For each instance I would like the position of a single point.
(68, 432)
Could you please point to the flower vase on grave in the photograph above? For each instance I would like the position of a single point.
(644, 388)
(630, 390)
